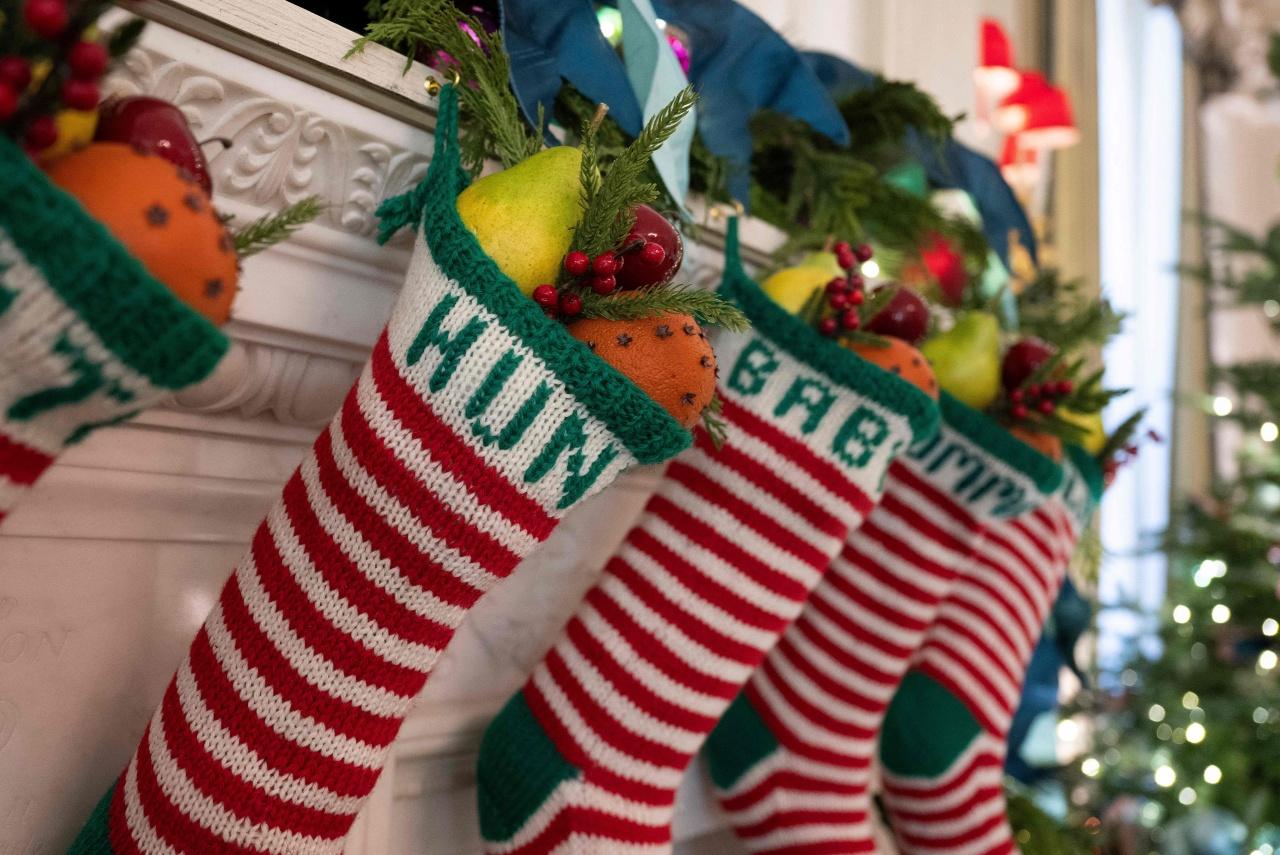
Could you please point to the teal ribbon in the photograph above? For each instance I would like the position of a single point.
(656, 77)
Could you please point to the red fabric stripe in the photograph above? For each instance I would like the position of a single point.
(21, 463)
(699, 582)
(767, 527)
(309, 700)
(852, 632)
(670, 612)
(904, 473)
(281, 753)
(345, 579)
(655, 650)
(170, 823)
(988, 658)
(823, 847)
(122, 842)
(812, 715)
(602, 725)
(846, 695)
(951, 842)
(923, 790)
(772, 483)
(788, 779)
(568, 747)
(701, 534)
(626, 683)
(900, 644)
(777, 726)
(798, 453)
(922, 526)
(973, 612)
(801, 817)
(445, 522)
(846, 684)
(451, 452)
(379, 534)
(571, 820)
(232, 792)
(967, 693)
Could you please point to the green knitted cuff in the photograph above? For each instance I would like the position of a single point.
(645, 428)
(805, 344)
(993, 438)
(1087, 465)
(134, 316)
(94, 838)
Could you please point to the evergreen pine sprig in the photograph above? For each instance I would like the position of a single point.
(1122, 436)
(879, 116)
(492, 124)
(713, 421)
(1063, 313)
(608, 208)
(708, 308)
(269, 230)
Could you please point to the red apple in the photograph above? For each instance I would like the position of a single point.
(646, 267)
(156, 126)
(905, 316)
(1022, 359)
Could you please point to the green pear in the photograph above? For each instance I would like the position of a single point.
(966, 359)
(524, 217)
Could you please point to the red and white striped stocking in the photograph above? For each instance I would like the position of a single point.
(476, 424)
(588, 756)
(943, 747)
(792, 758)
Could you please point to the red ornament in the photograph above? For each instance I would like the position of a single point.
(577, 263)
(946, 267)
(857, 298)
(570, 305)
(88, 60)
(8, 102)
(604, 284)
(863, 252)
(80, 94)
(828, 326)
(651, 229)
(46, 18)
(905, 317)
(850, 320)
(605, 264)
(1022, 359)
(16, 72)
(155, 126)
(545, 296)
(42, 133)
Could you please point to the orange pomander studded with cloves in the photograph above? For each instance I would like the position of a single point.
(899, 357)
(667, 356)
(162, 216)
(1045, 443)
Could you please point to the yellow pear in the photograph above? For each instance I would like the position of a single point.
(966, 359)
(524, 217)
(791, 287)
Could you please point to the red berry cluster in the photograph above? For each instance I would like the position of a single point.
(846, 293)
(85, 63)
(557, 304)
(1042, 398)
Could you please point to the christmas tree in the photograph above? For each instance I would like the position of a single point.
(1185, 752)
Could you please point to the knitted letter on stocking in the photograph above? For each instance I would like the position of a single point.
(943, 746)
(87, 337)
(588, 756)
(792, 758)
(475, 425)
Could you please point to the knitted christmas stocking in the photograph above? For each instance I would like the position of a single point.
(588, 756)
(943, 745)
(87, 337)
(791, 759)
(476, 424)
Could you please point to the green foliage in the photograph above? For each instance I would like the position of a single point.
(1037, 833)
(1273, 55)
(609, 202)
(708, 308)
(880, 116)
(1064, 313)
(269, 230)
(125, 37)
(491, 124)
(713, 421)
